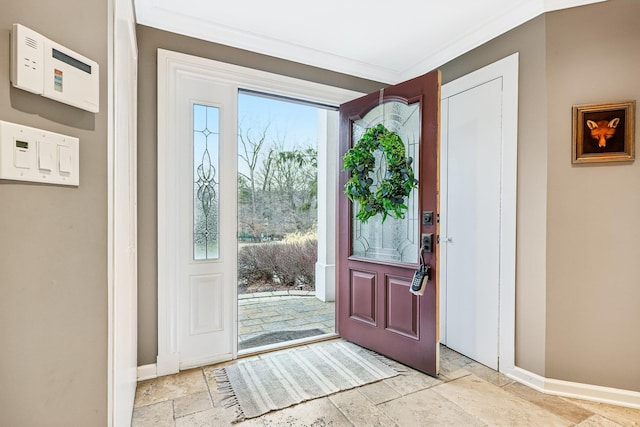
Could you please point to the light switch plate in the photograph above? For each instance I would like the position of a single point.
(36, 155)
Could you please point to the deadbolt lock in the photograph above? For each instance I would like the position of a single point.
(427, 218)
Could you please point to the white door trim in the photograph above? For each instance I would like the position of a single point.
(507, 70)
(122, 213)
(169, 63)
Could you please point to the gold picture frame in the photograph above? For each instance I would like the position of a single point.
(604, 132)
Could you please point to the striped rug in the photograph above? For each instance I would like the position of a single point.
(277, 380)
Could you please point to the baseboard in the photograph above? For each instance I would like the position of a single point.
(147, 372)
(170, 364)
(527, 378)
(594, 393)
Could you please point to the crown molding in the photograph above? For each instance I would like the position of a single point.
(149, 13)
(156, 17)
(551, 5)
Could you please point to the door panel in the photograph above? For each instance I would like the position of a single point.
(376, 261)
(206, 297)
(402, 308)
(363, 297)
(206, 177)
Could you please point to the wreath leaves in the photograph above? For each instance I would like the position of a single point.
(389, 196)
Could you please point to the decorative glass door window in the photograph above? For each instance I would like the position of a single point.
(395, 240)
(206, 209)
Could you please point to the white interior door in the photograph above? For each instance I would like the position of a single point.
(478, 177)
(473, 222)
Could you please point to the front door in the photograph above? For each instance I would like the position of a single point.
(377, 259)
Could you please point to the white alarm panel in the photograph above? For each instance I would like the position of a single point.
(42, 66)
(36, 155)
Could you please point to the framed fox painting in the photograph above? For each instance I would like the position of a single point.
(604, 132)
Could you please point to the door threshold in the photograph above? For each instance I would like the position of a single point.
(285, 345)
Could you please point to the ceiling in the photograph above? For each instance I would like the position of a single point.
(381, 40)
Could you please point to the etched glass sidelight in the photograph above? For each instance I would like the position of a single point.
(206, 138)
(395, 240)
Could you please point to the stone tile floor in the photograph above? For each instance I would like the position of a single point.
(465, 394)
(264, 312)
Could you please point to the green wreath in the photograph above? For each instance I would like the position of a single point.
(389, 196)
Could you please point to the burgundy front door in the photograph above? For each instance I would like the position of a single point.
(376, 260)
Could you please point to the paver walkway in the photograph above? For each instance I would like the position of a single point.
(264, 312)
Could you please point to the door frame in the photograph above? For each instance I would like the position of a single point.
(507, 70)
(169, 64)
(122, 236)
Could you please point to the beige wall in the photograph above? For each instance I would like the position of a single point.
(149, 40)
(529, 41)
(578, 236)
(593, 240)
(53, 242)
